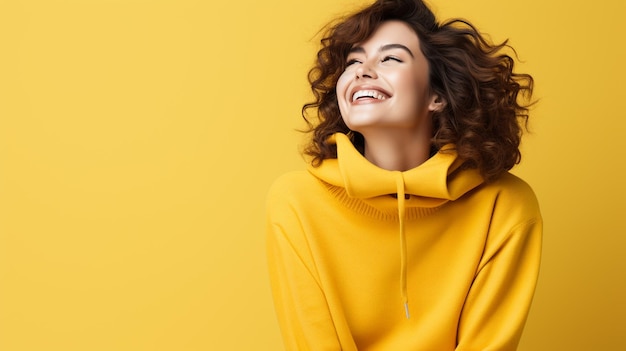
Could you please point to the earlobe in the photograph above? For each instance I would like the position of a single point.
(437, 103)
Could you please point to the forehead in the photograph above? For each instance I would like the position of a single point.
(391, 32)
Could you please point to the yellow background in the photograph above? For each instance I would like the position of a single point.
(138, 139)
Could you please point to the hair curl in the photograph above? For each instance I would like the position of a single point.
(482, 115)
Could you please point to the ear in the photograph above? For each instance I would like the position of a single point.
(436, 103)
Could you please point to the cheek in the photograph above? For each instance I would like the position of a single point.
(414, 87)
(407, 82)
(341, 90)
(342, 85)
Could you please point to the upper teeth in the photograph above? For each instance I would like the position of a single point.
(368, 93)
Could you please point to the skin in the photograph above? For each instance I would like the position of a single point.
(394, 115)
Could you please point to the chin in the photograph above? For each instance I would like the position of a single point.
(363, 121)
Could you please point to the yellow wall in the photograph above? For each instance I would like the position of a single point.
(138, 139)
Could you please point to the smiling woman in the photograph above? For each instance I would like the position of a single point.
(383, 94)
(407, 232)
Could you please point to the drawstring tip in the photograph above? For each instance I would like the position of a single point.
(406, 310)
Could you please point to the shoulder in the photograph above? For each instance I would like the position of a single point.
(292, 189)
(509, 185)
(292, 200)
(291, 184)
(514, 199)
(291, 181)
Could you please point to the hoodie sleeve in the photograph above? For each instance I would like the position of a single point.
(299, 300)
(499, 300)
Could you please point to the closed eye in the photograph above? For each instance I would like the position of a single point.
(391, 58)
(352, 62)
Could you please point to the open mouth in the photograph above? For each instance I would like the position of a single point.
(368, 94)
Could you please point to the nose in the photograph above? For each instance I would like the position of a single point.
(365, 71)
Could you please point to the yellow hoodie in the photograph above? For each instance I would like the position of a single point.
(431, 259)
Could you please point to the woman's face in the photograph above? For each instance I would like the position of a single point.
(385, 84)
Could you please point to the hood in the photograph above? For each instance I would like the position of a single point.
(431, 184)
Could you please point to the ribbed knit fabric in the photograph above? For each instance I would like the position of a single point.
(341, 273)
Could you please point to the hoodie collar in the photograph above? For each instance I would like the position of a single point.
(431, 184)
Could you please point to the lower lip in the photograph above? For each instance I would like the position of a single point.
(362, 101)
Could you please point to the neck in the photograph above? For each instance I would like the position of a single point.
(397, 151)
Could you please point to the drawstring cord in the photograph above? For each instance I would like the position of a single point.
(403, 249)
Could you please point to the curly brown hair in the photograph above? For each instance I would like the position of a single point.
(482, 116)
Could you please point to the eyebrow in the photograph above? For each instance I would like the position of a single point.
(360, 49)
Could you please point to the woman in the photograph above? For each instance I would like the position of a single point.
(407, 232)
